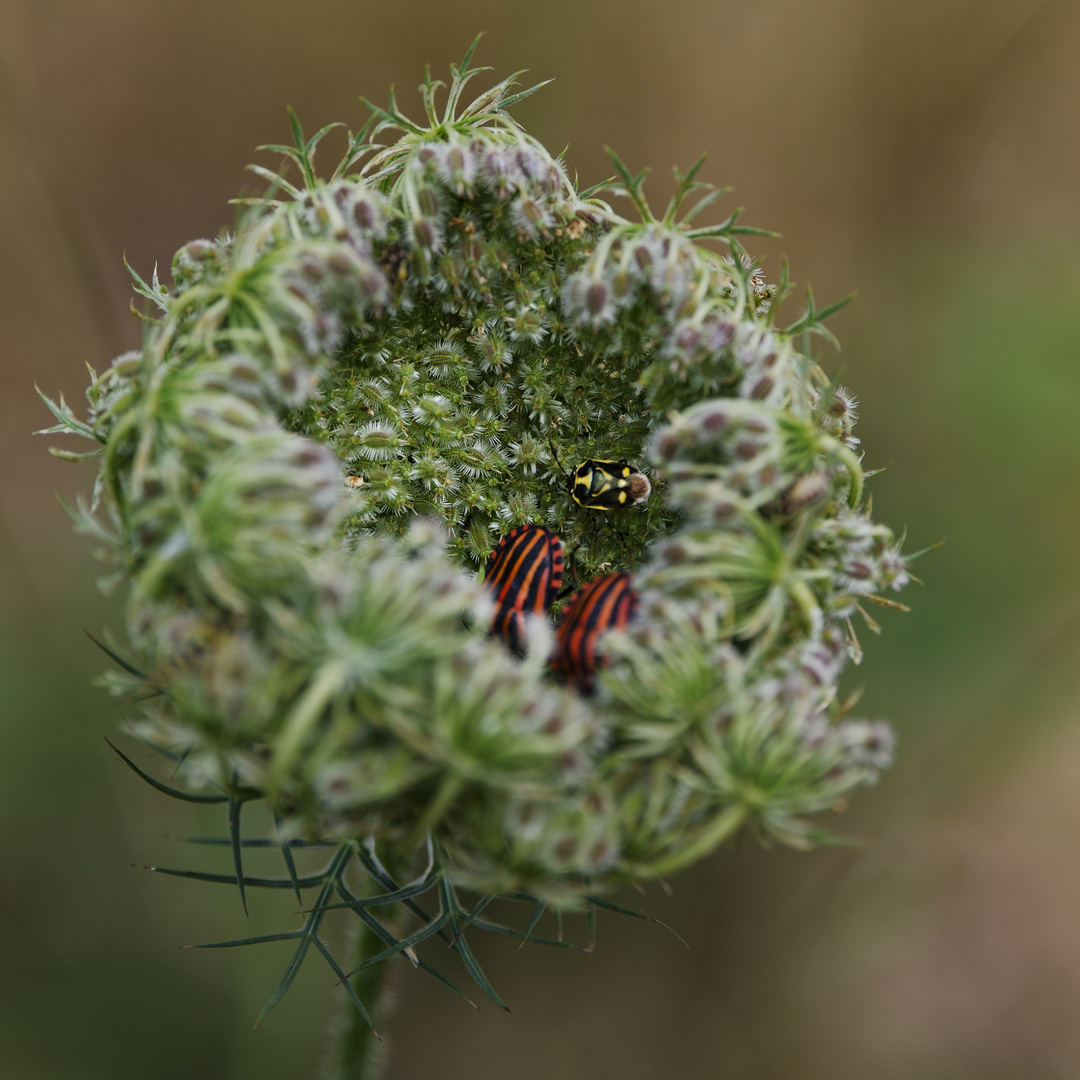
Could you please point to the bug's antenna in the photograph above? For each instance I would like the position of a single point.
(568, 480)
(555, 455)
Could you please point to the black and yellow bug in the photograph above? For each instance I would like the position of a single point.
(606, 485)
(523, 576)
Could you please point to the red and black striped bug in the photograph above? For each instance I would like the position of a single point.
(523, 575)
(605, 603)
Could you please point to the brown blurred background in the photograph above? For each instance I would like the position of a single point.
(926, 154)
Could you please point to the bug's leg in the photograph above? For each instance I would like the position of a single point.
(571, 568)
(586, 539)
(555, 457)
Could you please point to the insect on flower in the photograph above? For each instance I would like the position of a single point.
(523, 575)
(605, 603)
(606, 485)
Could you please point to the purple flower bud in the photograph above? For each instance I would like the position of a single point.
(717, 333)
(427, 203)
(455, 165)
(498, 172)
(426, 234)
(588, 299)
(527, 163)
(367, 209)
(531, 215)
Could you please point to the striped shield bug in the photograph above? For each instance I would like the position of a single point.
(605, 603)
(607, 485)
(523, 575)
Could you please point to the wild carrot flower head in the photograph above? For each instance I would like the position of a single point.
(341, 408)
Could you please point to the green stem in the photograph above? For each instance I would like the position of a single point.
(357, 1052)
(721, 828)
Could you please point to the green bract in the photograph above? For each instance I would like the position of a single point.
(340, 409)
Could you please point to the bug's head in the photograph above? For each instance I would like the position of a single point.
(638, 487)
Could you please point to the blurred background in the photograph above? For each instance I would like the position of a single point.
(925, 154)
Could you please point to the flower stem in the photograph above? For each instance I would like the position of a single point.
(357, 1052)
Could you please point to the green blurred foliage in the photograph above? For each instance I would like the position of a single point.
(914, 152)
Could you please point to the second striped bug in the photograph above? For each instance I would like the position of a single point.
(523, 575)
(605, 603)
